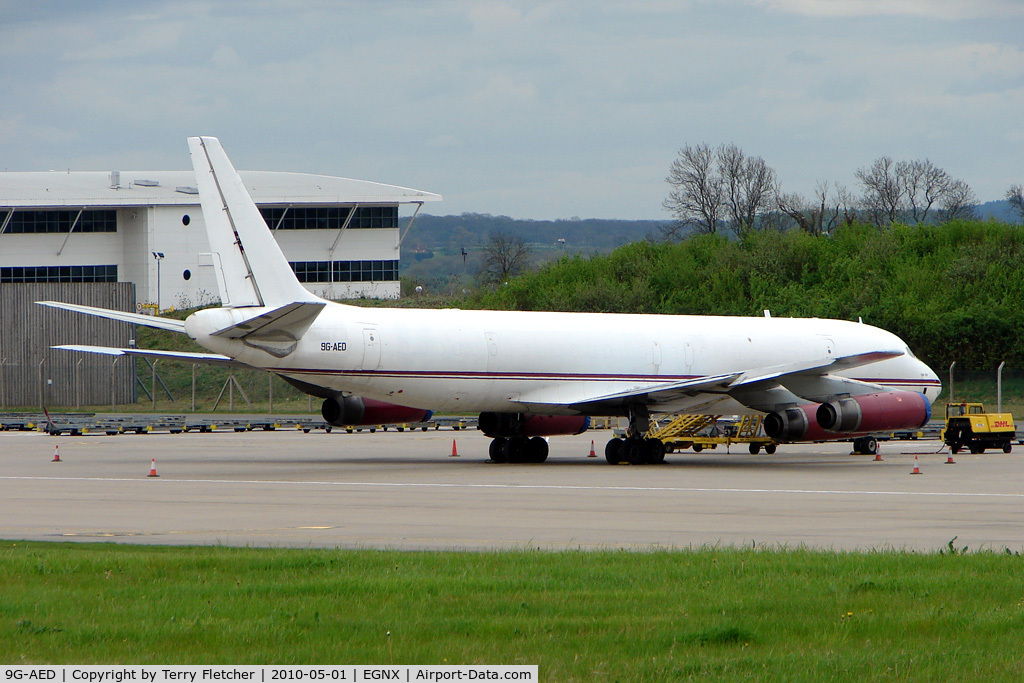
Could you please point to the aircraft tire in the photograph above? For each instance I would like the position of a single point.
(497, 450)
(869, 445)
(654, 451)
(537, 450)
(633, 452)
(613, 451)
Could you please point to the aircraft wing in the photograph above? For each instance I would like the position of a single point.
(122, 316)
(745, 386)
(156, 354)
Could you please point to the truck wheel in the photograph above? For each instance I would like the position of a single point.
(1007, 447)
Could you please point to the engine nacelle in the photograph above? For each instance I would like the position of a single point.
(348, 411)
(524, 424)
(875, 412)
(790, 424)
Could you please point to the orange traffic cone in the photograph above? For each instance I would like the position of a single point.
(917, 470)
(950, 460)
(56, 453)
(878, 456)
(592, 453)
(152, 469)
(455, 451)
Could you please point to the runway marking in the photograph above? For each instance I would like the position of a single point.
(520, 487)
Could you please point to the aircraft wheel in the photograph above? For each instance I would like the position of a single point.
(633, 452)
(536, 450)
(868, 445)
(754, 448)
(497, 450)
(516, 449)
(613, 451)
(654, 451)
(770, 449)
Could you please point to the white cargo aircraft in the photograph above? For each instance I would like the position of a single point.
(531, 374)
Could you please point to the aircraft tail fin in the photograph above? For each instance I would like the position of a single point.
(251, 269)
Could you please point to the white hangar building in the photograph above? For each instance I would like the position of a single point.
(341, 236)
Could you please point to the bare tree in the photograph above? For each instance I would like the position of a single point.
(958, 201)
(817, 217)
(911, 190)
(749, 185)
(696, 196)
(883, 192)
(707, 184)
(924, 184)
(1015, 195)
(504, 256)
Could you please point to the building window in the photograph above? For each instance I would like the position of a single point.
(329, 217)
(61, 221)
(345, 271)
(31, 274)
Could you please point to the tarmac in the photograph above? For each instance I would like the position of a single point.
(406, 491)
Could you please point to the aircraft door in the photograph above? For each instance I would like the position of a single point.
(371, 349)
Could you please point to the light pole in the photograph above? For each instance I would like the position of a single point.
(159, 256)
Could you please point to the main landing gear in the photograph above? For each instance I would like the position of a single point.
(635, 451)
(636, 448)
(518, 449)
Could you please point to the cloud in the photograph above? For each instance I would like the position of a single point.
(935, 9)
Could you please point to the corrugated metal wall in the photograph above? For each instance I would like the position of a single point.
(32, 374)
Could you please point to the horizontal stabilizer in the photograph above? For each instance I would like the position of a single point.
(123, 316)
(185, 356)
(285, 324)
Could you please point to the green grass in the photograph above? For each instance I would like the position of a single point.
(687, 615)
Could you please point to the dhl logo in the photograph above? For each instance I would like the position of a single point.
(1001, 423)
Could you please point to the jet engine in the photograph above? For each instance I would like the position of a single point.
(875, 412)
(523, 424)
(879, 412)
(794, 424)
(347, 411)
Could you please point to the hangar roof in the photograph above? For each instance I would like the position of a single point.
(153, 188)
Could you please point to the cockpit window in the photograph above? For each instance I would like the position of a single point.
(910, 353)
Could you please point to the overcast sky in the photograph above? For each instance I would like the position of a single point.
(530, 109)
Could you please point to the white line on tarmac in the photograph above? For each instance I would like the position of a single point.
(519, 487)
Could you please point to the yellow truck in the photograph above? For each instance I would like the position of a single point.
(968, 425)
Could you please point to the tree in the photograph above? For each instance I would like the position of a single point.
(749, 185)
(823, 214)
(1015, 195)
(708, 184)
(504, 256)
(883, 192)
(696, 197)
(910, 190)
